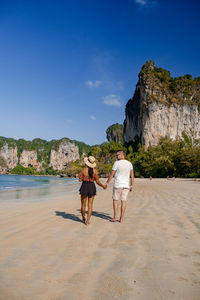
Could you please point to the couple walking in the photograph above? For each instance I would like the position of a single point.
(122, 171)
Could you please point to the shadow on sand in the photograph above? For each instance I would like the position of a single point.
(75, 218)
(65, 215)
(100, 215)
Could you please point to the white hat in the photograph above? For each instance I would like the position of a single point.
(90, 161)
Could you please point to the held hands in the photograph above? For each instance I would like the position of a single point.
(105, 186)
(131, 188)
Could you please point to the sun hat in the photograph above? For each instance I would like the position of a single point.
(90, 161)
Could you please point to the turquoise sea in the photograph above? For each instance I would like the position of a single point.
(14, 187)
(8, 182)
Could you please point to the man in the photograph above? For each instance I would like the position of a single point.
(123, 183)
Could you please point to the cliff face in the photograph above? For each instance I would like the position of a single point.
(9, 155)
(115, 133)
(66, 152)
(162, 106)
(29, 159)
(55, 154)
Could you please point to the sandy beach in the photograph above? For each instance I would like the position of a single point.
(48, 253)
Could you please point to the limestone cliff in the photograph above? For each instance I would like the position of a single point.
(66, 153)
(29, 159)
(115, 133)
(9, 155)
(39, 154)
(162, 106)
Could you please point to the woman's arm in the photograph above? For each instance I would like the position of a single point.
(96, 177)
(80, 176)
(101, 184)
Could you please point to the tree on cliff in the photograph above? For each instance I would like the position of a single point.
(115, 133)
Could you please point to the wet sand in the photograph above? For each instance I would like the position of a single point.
(48, 253)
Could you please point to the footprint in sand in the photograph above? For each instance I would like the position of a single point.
(183, 255)
(197, 265)
(183, 279)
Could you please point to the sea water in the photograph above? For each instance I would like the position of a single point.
(16, 187)
(8, 182)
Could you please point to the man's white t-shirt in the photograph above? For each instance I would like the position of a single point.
(122, 175)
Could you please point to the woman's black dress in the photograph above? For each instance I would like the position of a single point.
(88, 189)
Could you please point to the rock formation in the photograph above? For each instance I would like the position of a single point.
(115, 133)
(29, 159)
(66, 153)
(162, 107)
(39, 154)
(9, 154)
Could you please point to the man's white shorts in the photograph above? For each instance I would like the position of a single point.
(120, 194)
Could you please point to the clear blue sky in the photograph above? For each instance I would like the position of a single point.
(67, 68)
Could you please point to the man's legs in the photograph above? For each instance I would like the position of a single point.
(115, 208)
(115, 196)
(123, 208)
(83, 205)
(123, 203)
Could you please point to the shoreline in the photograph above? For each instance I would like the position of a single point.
(51, 189)
(36, 182)
(58, 176)
(37, 194)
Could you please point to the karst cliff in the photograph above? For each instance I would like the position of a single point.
(39, 154)
(115, 133)
(162, 106)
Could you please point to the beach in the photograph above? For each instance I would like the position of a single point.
(48, 253)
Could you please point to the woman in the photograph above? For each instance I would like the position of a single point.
(88, 189)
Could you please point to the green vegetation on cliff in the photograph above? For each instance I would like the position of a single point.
(115, 133)
(2, 162)
(181, 90)
(43, 149)
(9, 141)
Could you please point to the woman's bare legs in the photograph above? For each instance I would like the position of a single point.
(90, 205)
(83, 206)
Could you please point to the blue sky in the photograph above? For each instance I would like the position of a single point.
(68, 68)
